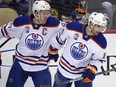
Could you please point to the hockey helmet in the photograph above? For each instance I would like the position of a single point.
(99, 19)
(40, 5)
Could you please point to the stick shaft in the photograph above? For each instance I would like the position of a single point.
(7, 50)
(77, 79)
(110, 70)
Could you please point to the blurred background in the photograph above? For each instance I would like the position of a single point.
(61, 9)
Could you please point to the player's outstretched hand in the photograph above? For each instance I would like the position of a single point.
(89, 74)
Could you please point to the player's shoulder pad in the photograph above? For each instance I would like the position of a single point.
(22, 20)
(52, 22)
(76, 26)
(100, 40)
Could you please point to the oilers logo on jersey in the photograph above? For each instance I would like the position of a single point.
(34, 41)
(78, 50)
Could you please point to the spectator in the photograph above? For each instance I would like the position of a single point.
(3, 4)
(21, 6)
(109, 11)
(110, 6)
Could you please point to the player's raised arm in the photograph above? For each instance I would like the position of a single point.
(57, 42)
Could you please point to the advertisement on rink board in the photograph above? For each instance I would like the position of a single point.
(106, 80)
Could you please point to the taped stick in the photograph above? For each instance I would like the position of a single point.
(57, 80)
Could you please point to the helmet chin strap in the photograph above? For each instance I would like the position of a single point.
(38, 18)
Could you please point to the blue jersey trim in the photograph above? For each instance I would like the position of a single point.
(22, 20)
(101, 40)
(69, 71)
(76, 26)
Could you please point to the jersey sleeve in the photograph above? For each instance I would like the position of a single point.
(99, 51)
(14, 28)
(60, 39)
(98, 58)
(10, 31)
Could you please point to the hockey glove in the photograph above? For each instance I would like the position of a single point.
(53, 56)
(53, 53)
(89, 74)
(81, 11)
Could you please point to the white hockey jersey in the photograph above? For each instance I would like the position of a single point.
(80, 50)
(32, 49)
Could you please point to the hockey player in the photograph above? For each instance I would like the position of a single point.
(34, 33)
(84, 51)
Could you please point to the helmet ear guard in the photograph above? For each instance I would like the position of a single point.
(98, 19)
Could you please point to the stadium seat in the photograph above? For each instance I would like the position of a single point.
(7, 15)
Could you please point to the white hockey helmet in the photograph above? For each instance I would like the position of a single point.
(40, 5)
(99, 19)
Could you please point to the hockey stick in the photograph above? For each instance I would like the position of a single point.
(5, 66)
(4, 42)
(2, 51)
(57, 80)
